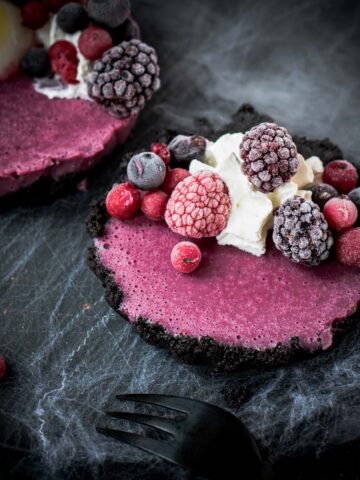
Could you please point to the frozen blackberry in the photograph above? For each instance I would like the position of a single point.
(111, 14)
(184, 148)
(269, 156)
(125, 77)
(322, 192)
(301, 232)
(36, 63)
(72, 17)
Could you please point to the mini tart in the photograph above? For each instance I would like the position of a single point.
(237, 310)
(51, 140)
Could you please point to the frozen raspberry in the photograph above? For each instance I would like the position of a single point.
(162, 151)
(34, 14)
(185, 257)
(301, 232)
(153, 205)
(2, 367)
(146, 171)
(348, 248)
(341, 213)
(64, 61)
(322, 192)
(199, 206)
(93, 42)
(185, 148)
(173, 177)
(269, 155)
(123, 201)
(341, 174)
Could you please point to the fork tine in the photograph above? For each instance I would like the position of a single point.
(163, 424)
(163, 450)
(180, 404)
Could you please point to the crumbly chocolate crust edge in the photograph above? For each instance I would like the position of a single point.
(219, 357)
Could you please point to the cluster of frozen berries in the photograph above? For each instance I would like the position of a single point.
(339, 199)
(194, 206)
(100, 25)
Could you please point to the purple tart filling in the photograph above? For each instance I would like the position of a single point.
(51, 138)
(236, 299)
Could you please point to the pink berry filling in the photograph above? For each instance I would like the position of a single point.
(235, 298)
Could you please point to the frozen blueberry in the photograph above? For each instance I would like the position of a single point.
(126, 31)
(36, 63)
(185, 148)
(146, 171)
(355, 197)
(72, 17)
(322, 192)
(111, 14)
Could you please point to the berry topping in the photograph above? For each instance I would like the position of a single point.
(125, 77)
(162, 150)
(112, 14)
(185, 257)
(348, 248)
(72, 17)
(269, 155)
(34, 14)
(2, 367)
(146, 170)
(128, 30)
(63, 58)
(123, 201)
(199, 206)
(185, 148)
(341, 213)
(153, 205)
(354, 195)
(35, 62)
(93, 42)
(341, 174)
(301, 232)
(173, 177)
(322, 192)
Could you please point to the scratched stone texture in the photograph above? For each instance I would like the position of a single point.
(69, 353)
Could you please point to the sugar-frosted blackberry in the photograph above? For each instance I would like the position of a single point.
(125, 77)
(269, 156)
(301, 232)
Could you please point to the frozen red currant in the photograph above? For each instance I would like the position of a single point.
(341, 174)
(185, 257)
(341, 213)
(123, 201)
(153, 205)
(162, 151)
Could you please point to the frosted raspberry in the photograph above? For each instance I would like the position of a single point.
(173, 177)
(348, 248)
(199, 206)
(340, 212)
(153, 205)
(185, 257)
(341, 174)
(269, 155)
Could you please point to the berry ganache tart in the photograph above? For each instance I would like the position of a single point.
(239, 251)
(74, 77)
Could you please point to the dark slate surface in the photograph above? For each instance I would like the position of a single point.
(69, 353)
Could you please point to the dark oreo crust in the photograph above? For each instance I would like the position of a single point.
(205, 350)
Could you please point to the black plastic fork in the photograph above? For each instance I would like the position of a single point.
(209, 440)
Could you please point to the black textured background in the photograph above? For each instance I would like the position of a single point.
(69, 353)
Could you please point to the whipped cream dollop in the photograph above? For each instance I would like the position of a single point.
(251, 213)
(55, 87)
(15, 39)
